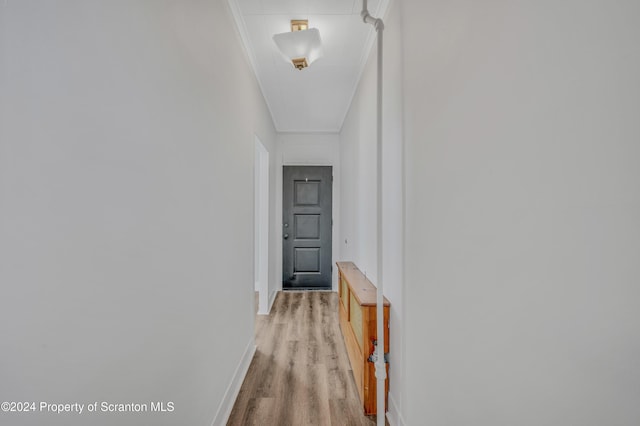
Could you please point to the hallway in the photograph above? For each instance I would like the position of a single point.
(300, 374)
(500, 217)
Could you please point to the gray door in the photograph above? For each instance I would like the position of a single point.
(306, 227)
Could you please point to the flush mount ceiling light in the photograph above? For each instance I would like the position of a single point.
(301, 46)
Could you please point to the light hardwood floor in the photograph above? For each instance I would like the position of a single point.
(300, 374)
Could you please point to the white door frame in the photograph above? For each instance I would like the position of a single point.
(261, 228)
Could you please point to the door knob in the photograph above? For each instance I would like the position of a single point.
(286, 236)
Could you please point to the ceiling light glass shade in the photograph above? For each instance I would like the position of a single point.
(300, 47)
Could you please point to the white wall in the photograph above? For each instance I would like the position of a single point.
(126, 206)
(308, 149)
(358, 167)
(523, 212)
(358, 198)
(263, 223)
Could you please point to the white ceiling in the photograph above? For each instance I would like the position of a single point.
(315, 99)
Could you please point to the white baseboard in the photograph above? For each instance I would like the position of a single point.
(394, 416)
(230, 395)
(272, 298)
(262, 301)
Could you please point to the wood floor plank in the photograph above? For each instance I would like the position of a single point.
(300, 374)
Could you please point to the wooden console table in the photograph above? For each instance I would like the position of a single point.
(357, 311)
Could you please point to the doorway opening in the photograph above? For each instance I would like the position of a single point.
(307, 227)
(261, 226)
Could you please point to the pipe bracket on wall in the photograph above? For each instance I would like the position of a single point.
(373, 356)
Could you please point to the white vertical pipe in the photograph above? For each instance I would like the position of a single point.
(381, 372)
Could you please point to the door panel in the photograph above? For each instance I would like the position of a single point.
(307, 193)
(306, 226)
(307, 260)
(306, 214)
